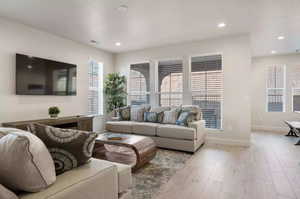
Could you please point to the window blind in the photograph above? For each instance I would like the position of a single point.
(207, 88)
(95, 93)
(139, 84)
(276, 89)
(170, 82)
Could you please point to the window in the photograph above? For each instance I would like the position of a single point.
(276, 89)
(139, 84)
(296, 99)
(207, 88)
(95, 94)
(294, 77)
(170, 82)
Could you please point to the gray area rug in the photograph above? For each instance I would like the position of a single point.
(148, 180)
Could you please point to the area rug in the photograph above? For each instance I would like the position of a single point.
(148, 180)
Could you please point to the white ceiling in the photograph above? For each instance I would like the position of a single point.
(149, 23)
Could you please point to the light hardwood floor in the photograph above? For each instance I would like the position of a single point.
(269, 169)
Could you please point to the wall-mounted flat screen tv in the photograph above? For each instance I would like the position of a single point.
(37, 76)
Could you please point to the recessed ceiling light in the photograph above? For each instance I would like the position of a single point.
(222, 25)
(280, 37)
(118, 43)
(123, 8)
(273, 51)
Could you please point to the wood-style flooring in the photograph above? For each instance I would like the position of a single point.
(269, 169)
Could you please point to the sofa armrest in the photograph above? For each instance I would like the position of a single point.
(96, 179)
(200, 128)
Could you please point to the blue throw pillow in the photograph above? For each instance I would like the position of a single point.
(185, 118)
(151, 117)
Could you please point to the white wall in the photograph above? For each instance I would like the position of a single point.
(17, 38)
(271, 121)
(236, 66)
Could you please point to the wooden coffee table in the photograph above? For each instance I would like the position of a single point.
(129, 149)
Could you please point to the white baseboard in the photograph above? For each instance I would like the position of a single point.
(226, 141)
(274, 129)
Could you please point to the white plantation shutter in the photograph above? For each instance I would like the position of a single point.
(276, 89)
(207, 88)
(170, 82)
(95, 93)
(294, 79)
(139, 84)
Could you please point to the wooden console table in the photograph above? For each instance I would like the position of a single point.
(84, 123)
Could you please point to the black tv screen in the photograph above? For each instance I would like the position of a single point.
(37, 76)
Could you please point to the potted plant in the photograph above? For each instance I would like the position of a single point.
(53, 111)
(115, 91)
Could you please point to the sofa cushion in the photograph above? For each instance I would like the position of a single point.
(119, 126)
(25, 162)
(6, 194)
(124, 177)
(97, 179)
(175, 131)
(144, 128)
(69, 148)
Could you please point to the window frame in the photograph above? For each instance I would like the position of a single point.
(283, 89)
(190, 84)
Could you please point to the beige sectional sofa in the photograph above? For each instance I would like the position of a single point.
(168, 136)
(98, 179)
(26, 164)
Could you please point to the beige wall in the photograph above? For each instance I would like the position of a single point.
(236, 66)
(272, 121)
(17, 38)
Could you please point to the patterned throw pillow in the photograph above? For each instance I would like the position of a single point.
(195, 109)
(185, 118)
(160, 117)
(124, 113)
(151, 117)
(69, 148)
(171, 116)
(137, 113)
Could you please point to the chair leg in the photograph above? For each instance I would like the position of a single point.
(292, 133)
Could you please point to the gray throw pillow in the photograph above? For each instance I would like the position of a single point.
(25, 162)
(69, 148)
(170, 117)
(137, 113)
(6, 194)
(151, 117)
